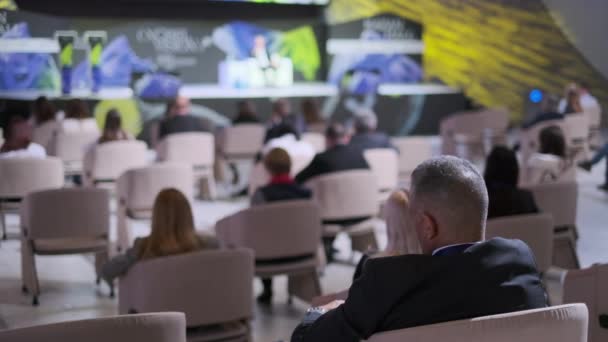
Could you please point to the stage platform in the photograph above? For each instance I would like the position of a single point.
(209, 91)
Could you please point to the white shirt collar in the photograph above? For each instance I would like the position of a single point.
(450, 246)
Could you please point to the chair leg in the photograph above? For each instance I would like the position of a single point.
(122, 226)
(3, 222)
(29, 275)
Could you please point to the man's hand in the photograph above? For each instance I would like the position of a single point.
(331, 306)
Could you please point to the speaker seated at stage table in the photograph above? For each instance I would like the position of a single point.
(458, 276)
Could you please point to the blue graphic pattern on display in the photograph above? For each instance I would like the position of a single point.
(26, 71)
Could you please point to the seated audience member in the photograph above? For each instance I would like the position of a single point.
(548, 112)
(550, 163)
(246, 113)
(288, 139)
(458, 275)
(573, 103)
(312, 116)
(281, 188)
(502, 179)
(44, 111)
(17, 134)
(45, 120)
(112, 130)
(599, 155)
(339, 156)
(281, 114)
(366, 136)
(587, 101)
(78, 118)
(172, 233)
(178, 119)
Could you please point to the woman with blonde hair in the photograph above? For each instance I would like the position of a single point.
(172, 233)
(402, 239)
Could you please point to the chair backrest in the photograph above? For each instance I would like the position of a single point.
(317, 140)
(210, 287)
(577, 126)
(594, 116)
(138, 187)
(45, 133)
(66, 213)
(589, 286)
(346, 194)
(21, 176)
(412, 152)
(558, 323)
(109, 160)
(275, 230)
(194, 148)
(535, 230)
(244, 139)
(71, 146)
(559, 200)
(154, 327)
(384, 163)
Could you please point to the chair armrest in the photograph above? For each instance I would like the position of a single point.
(130, 294)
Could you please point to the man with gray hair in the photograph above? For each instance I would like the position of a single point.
(458, 275)
(366, 134)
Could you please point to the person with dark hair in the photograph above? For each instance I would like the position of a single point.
(502, 179)
(245, 113)
(339, 155)
(43, 110)
(312, 116)
(573, 103)
(281, 114)
(178, 118)
(282, 187)
(366, 134)
(550, 164)
(459, 274)
(78, 117)
(112, 129)
(17, 133)
(548, 112)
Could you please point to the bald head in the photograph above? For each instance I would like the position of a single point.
(449, 203)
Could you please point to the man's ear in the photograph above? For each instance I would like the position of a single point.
(430, 227)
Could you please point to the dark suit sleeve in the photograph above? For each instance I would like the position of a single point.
(369, 301)
(315, 168)
(162, 129)
(530, 203)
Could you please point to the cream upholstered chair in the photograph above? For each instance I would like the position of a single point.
(282, 230)
(412, 152)
(530, 143)
(70, 147)
(589, 286)
(566, 323)
(561, 201)
(243, 141)
(535, 230)
(578, 136)
(136, 191)
(213, 288)
(347, 195)
(104, 163)
(317, 140)
(594, 118)
(154, 327)
(63, 221)
(45, 134)
(384, 163)
(20, 176)
(196, 149)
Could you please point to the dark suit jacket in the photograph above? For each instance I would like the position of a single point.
(337, 158)
(181, 124)
(369, 140)
(491, 277)
(280, 192)
(508, 201)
